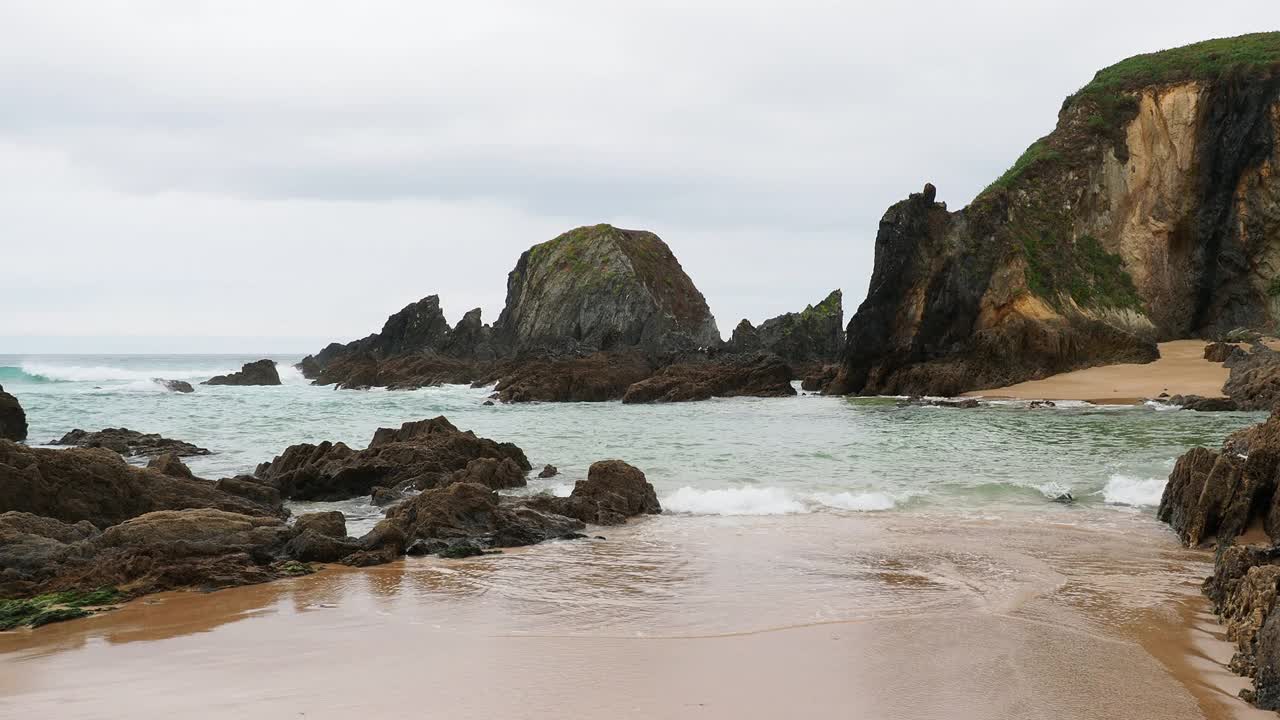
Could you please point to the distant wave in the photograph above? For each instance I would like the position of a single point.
(769, 501)
(48, 372)
(1126, 490)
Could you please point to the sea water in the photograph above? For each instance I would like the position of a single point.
(723, 457)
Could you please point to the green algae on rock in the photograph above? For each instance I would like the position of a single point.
(55, 607)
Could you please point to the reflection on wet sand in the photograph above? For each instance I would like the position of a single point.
(903, 615)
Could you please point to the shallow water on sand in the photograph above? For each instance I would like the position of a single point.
(818, 557)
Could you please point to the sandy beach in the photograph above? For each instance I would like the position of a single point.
(908, 616)
(1181, 370)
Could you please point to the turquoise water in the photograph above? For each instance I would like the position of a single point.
(723, 457)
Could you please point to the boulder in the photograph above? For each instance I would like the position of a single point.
(1204, 404)
(178, 386)
(13, 419)
(818, 379)
(548, 471)
(383, 496)
(31, 546)
(258, 372)
(99, 486)
(417, 454)
(613, 492)
(468, 512)
(1218, 352)
(755, 375)
(169, 464)
(492, 473)
(130, 443)
(1254, 381)
(330, 524)
(254, 490)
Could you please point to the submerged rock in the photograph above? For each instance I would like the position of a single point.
(258, 372)
(549, 471)
(130, 443)
(1203, 404)
(13, 419)
(178, 386)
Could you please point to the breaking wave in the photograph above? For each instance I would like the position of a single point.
(1127, 490)
(48, 372)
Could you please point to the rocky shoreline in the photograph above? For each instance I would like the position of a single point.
(85, 529)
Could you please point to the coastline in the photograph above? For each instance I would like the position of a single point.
(876, 615)
(1180, 370)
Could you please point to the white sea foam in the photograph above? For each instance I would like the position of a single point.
(105, 373)
(1127, 490)
(290, 375)
(769, 501)
(863, 501)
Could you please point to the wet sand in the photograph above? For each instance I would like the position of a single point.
(1181, 370)
(1071, 614)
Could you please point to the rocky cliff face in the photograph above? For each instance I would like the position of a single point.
(602, 288)
(813, 336)
(1149, 213)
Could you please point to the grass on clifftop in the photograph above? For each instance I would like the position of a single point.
(54, 607)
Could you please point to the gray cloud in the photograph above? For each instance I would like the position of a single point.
(304, 168)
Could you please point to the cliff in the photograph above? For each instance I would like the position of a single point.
(1147, 214)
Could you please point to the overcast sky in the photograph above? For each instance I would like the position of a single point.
(270, 176)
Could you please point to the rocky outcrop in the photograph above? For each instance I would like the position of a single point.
(475, 514)
(130, 443)
(599, 377)
(1254, 381)
(169, 464)
(492, 473)
(812, 337)
(613, 492)
(13, 419)
(602, 288)
(1145, 215)
(587, 314)
(258, 372)
(99, 486)
(178, 386)
(1218, 352)
(417, 455)
(756, 375)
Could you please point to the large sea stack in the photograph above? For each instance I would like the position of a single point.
(1146, 215)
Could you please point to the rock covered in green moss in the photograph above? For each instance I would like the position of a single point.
(55, 607)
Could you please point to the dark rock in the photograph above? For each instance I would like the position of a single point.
(597, 378)
(549, 471)
(13, 419)
(31, 546)
(813, 336)
(492, 473)
(253, 489)
(99, 486)
(1218, 352)
(613, 492)
(313, 546)
(258, 372)
(178, 386)
(1203, 404)
(1039, 404)
(487, 403)
(384, 496)
(819, 379)
(757, 375)
(331, 523)
(130, 443)
(460, 550)
(466, 511)
(1254, 381)
(170, 465)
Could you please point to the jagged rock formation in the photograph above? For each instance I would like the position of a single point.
(258, 372)
(13, 419)
(812, 337)
(417, 455)
(588, 315)
(1145, 215)
(130, 443)
(1254, 381)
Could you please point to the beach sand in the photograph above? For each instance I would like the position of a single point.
(1181, 370)
(868, 616)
